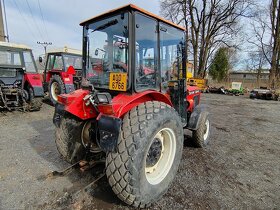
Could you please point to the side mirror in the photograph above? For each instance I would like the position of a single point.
(40, 59)
(96, 52)
(71, 70)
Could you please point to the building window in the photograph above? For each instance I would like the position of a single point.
(244, 75)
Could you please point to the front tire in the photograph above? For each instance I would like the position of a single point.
(201, 135)
(56, 87)
(139, 172)
(68, 139)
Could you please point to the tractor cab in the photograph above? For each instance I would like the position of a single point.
(131, 51)
(63, 72)
(133, 106)
(20, 82)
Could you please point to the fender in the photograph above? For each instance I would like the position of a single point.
(123, 103)
(196, 116)
(73, 103)
(66, 78)
(34, 80)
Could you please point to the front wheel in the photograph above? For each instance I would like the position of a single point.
(148, 154)
(201, 135)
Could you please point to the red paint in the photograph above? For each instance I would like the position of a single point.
(33, 79)
(75, 104)
(71, 70)
(124, 102)
(192, 91)
(66, 77)
(121, 103)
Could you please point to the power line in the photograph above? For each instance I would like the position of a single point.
(45, 44)
(34, 19)
(43, 19)
(23, 17)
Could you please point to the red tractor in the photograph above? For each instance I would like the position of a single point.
(20, 83)
(58, 77)
(131, 120)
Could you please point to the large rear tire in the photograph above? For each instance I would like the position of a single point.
(56, 87)
(148, 154)
(68, 139)
(35, 103)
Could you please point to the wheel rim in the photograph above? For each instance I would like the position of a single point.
(206, 131)
(160, 156)
(55, 90)
(86, 138)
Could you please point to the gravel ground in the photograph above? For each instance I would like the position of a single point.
(238, 170)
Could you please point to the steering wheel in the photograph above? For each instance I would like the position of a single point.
(146, 79)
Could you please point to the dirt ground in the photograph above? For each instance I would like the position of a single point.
(239, 169)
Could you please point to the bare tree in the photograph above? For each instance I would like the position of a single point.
(266, 27)
(212, 24)
(256, 62)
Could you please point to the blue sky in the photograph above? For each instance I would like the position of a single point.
(60, 21)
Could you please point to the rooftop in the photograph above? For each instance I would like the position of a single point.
(14, 45)
(131, 7)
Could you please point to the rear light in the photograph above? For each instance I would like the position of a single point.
(106, 109)
(62, 99)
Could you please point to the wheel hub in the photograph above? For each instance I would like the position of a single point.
(160, 156)
(55, 90)
(154, 153)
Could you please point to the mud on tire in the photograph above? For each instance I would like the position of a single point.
(68, 139)
(34, 103)
(55, 80)
(126, 168)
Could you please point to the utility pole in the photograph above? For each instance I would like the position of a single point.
(45, 44)
(2, 29)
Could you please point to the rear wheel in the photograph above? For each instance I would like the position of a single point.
(148, 154)
(68, 139)
(201, 135)
(56, 87)
(35, 103)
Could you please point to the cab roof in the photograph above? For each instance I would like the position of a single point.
(65, 50)
(131, 7)
(14, 45)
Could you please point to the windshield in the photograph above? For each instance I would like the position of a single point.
(10, 58)
(107, 52)
(73, 60)
(29, 62)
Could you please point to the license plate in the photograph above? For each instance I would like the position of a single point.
(118, 81)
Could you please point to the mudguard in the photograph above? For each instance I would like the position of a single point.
(195, 117)
(109, 130)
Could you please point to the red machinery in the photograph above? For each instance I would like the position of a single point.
(20, 82)
(131, 119)
(58, 77)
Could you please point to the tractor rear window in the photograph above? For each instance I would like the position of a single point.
(10, 58)
(73, 60)
(107, 47)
